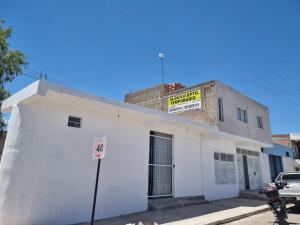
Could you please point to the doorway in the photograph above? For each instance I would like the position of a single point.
(275, 166)
(246, 172)
(160, 180)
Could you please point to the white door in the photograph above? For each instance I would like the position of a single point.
(255, 178)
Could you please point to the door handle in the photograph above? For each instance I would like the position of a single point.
(287, 186)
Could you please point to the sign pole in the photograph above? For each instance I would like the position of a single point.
(95, 193)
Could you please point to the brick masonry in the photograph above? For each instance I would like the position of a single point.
(157, 98)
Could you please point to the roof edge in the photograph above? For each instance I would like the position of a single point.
(20, 96)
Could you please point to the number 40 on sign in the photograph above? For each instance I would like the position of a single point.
(99, 148)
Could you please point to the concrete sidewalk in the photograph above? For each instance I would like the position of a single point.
(215, 212)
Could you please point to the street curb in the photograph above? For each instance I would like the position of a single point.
(238, 217)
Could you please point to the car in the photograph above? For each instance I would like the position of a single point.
(291, 192)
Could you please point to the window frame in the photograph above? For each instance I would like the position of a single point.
(242, 115)
(73, 123)
(260, 123)
(221, 109)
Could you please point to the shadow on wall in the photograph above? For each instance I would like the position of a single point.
(2, 140)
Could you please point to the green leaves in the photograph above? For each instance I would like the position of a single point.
(11, 64)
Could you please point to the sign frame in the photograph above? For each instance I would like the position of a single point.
(185, 101)
(99, 148)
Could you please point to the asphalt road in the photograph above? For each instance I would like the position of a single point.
(268, 218)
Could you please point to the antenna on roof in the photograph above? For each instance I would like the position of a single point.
(162, 56)
(161, 95)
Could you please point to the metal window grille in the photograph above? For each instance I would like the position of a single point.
(160, 165)
(74, 121)
(247, 152)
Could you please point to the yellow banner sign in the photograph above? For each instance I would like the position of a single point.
(184, 101)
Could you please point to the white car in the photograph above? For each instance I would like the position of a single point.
(291, 192)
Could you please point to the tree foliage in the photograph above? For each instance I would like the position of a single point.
(11, 64)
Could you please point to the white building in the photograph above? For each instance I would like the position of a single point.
(47, 174)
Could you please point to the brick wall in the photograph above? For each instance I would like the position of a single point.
(157, 98)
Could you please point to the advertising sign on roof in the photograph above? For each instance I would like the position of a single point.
(184, 101)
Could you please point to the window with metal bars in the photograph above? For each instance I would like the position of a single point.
(74, 122)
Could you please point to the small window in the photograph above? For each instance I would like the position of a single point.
(256, 154)
(242, 115)
(74, 122)
(216, 156)
(223, 157)
(220, 104)
(230, 158)
(239, 114)
(262, 150)
(260, 122)
(287, 154)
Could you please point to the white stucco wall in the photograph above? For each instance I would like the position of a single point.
(47, 173)
(188, 167)
(53, 164)
(288, 164)
(213, 191)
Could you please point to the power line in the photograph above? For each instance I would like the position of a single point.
(44, 75)
(32, 70)
(28, 75)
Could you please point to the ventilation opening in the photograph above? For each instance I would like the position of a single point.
(74, 122)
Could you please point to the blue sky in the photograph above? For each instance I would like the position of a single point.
(110, 47)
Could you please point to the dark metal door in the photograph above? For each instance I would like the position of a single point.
(246, 173)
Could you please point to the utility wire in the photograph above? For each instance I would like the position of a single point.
(45, 75)
(28, 75)
(32, 70)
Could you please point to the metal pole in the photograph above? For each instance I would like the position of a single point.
(95, 193)
(162, 71)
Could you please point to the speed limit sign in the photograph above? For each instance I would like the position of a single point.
(99, 148)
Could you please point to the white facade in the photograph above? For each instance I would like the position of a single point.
(265, 166)
(47, 174)
(288, 164)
